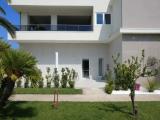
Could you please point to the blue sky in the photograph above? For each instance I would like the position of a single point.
(13, 17)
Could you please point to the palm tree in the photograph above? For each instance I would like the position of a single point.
(3, 46)
(16, 64)
(6, 24)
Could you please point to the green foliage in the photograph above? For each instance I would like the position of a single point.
(68, 76)
(64, 79)
(109, 89)
(152, 84)
(72, 78)
(110, 84)
(127, 73)
(3, 46)
(40, 83)
(19, 82)
(20, 63)
(79, 111)
(47, 91)
(56, 78)
(26, 84)
(48, 77)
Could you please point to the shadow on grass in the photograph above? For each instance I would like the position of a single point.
(115, 108)
(16, 110)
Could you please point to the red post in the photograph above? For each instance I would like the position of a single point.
(55, 101)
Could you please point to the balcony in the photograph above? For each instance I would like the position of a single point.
(59, 27)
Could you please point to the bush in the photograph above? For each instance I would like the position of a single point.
(71, 83)
(48, 77)
(19, 82)
(26, 84)
(64, 78)
(109, 89)
(110, 85)
(68, 76)
(72, 78)
(56, 78)
(40, 83)
(152, 85)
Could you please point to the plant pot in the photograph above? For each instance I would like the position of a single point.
(137, 86)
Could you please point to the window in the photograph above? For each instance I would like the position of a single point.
(99, 18)
(108, 18)
(103, 18)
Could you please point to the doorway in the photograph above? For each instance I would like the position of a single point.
(85, 68)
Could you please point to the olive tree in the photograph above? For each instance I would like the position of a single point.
(129, 72)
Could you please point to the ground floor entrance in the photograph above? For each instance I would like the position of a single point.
(85, 68)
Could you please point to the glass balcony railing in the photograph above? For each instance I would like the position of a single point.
(60, 27)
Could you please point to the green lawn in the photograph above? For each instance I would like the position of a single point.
(79, 111)
(46, 91)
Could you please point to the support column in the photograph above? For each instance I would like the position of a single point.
(56, 60)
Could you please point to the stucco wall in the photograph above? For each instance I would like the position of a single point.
(114, 48)
(133, 45)
(141, 13)
(116, 15)
(70, 55)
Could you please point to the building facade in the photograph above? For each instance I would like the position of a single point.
(85, 34)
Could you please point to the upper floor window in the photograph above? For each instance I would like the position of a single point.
(99, 18)
(108, 18)
(103, 18)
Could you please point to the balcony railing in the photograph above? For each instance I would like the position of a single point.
(60, 27)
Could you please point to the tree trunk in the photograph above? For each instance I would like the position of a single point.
(6, 90)
(133, 102)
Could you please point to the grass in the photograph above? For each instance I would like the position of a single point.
(46, 91)
(78, 111)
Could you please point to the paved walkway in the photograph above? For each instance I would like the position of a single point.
(89, 95)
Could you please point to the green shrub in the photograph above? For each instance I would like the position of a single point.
(40, 83)
(64, 78)
(71, 83)
(26, 84)
(109, 89)
(110, 84)
(48, 77)
(72, 78)
(19, 82)
(152, 85)
(56, 78)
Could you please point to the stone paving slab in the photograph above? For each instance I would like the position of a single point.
(89, 95)
(84, 98)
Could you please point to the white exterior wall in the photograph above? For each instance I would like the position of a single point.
(100, 34)
(132, 45)
(116, 16)
(70, 55)
(114, 48)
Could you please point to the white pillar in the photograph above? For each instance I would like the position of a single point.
(56, 60)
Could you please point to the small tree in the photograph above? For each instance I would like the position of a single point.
(129, 72)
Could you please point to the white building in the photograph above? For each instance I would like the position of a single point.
(84, 34)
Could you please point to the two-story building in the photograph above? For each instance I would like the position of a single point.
(84, 34)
